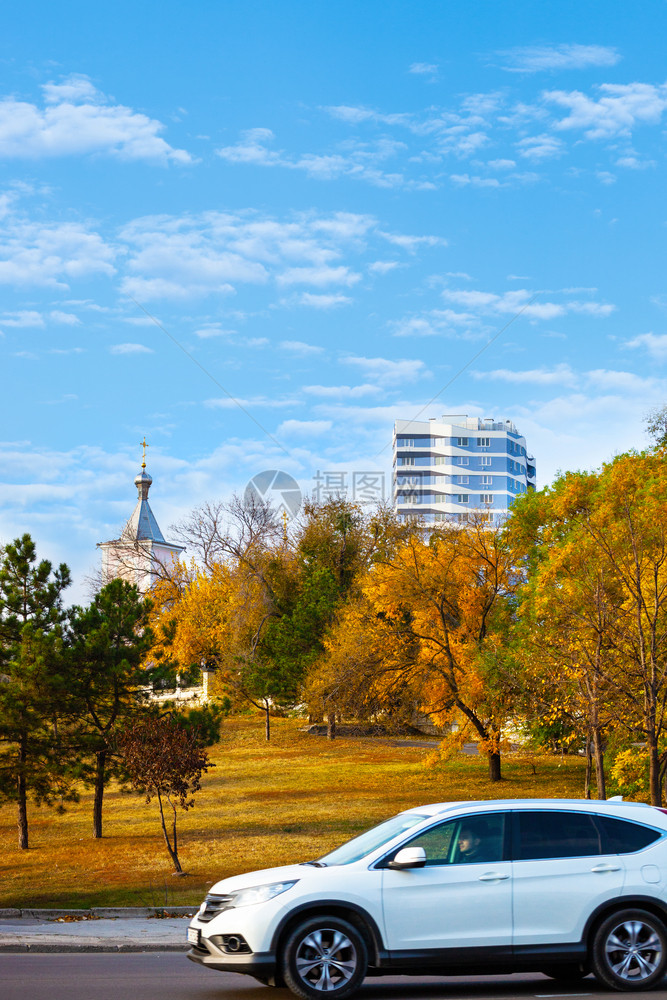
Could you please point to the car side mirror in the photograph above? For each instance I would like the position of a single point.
(409, 857)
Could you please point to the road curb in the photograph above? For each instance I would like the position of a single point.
(101, 912)
(33, 949)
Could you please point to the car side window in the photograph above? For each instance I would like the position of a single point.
(468, 840)
(551, 834)
(621, 837)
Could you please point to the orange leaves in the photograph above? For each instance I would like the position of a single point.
(447, 597)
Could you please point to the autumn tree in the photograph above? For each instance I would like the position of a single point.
(107, 678)
(350, 677)
(165, 761)
(261, 603)
(604, 536)
(445, 602)
(571, 611)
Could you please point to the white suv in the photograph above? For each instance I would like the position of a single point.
(563, 887)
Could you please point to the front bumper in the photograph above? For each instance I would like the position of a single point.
(262, 965)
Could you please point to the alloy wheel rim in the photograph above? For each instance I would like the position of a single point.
(634, 950)
(326, 959)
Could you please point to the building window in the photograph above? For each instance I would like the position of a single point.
(483, 442)
(462, 460)
(406, 443)
(440, 460)
(462, 442)
(485, 460)
(463, 498)
(463, 517)
(463, 480)
(487, 498)
(487, 481)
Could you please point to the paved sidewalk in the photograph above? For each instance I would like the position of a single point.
(103, 929)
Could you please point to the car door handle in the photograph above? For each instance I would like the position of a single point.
(606, 868)
(492, 877)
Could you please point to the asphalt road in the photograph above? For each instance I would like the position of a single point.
(163, 976)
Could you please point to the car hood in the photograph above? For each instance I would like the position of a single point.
(265, 876)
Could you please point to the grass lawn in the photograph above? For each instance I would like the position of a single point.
(262, 805)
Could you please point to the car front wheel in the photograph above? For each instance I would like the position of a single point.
(630, 951)
(324, 956)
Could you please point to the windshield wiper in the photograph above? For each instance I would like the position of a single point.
(315, 864)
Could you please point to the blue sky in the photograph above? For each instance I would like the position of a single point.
(329, 210)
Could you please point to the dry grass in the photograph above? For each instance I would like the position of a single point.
(262, 805)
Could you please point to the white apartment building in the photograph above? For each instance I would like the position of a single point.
(445, 468)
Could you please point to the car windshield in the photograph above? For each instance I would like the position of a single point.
(369, 841)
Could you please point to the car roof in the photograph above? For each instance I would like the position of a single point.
(441, 808)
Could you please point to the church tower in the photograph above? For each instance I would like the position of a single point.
(141, 555)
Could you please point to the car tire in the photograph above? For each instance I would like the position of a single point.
(324, 956)
(629, 951)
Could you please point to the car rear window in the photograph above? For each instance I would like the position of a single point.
(621, 837)
(552, 834)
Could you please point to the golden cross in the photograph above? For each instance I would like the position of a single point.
(144, 446)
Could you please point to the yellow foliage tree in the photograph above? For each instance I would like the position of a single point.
(443, 606)
(596, 545)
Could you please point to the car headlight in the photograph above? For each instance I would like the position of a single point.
(260, 893)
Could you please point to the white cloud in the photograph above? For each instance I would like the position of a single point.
(605, 177)
(623, 381)
(213, 330)
(342, 391)
(620, 108)
(383, 266)
(22, 318)
(519, 300)
(536, 58)
(52, 254)
(299, 347)
(212, 253)
(229, 403)
(412, 243)
(318, 276)
(356, 160)
(540, 147)
(252, 149)
(424, 69)
(463, 180)
(130, 349)
(387, 372)
(323, 301)
(560, 375)
(77, 119)
(67, 319)
(634, 163)
(655, 344)
(439, 322)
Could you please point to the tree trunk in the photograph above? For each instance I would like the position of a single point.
(331, 725)
(21, 793)
(100, 764)
(598, 753)
(267, 721)
(589, 768)
(172, 852)
(494, 765)
(654, 771)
